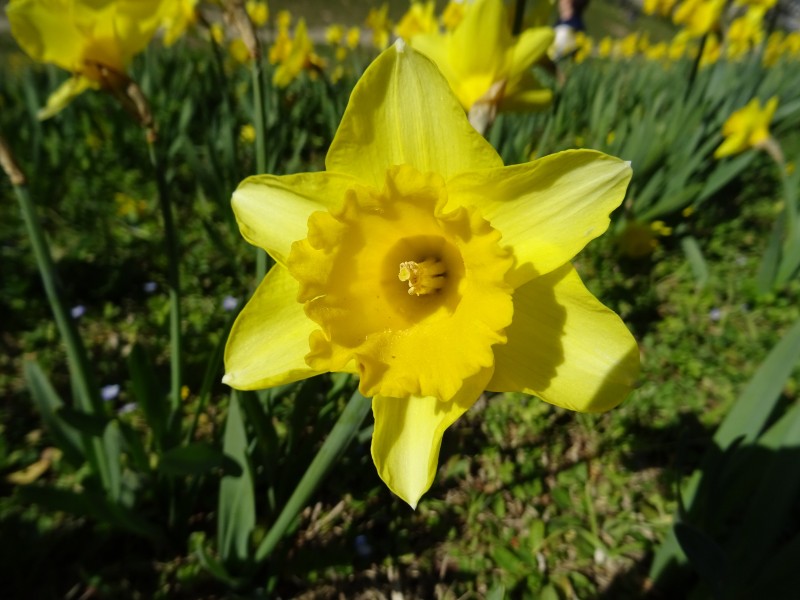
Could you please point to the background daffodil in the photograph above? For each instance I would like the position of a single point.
(485, 64)
(93, 39)
(747, 127)
(421, 263)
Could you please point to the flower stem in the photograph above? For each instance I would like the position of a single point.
(340, 437)
(173, 274)
(259, 117)
(87, 395)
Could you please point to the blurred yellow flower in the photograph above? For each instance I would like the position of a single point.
(699, 17)
(129, 207)
(239, 51)
(177, 17)
(299, 55)
(712, 50)
(747, 127)
(217, 33)
(418, 19)
(334, 34)
(484, 64)
(639, 240)
(258, 12)
(583, 48)
(744, 34)
(284, 19)
(421, 263)
(627, 46)
(247, 134)
(378, 22)
(94, 40)
(353, 38)
(605, 47)
(453, 14)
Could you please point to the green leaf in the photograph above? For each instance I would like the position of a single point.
(696, 261)
(498, 592)
(88, 503)
(148, 393)
(704, 554)
(237, 505)
(49, 403)
(195, 459)
(91, 425)
(751, 411)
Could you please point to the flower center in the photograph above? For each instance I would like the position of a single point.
(411, 296)
(423, 278)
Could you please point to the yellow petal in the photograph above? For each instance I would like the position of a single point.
(546, 210)
(408, 435)
(529, 48)
(733, 144)
(529, 96)
(272, 211)
(566, 347)
(403, 112)
(481, 43)
(269, 339)
(66, 92)
(44, 33)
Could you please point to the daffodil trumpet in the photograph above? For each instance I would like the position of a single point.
(423, 265)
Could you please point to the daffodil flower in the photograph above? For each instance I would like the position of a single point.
(422, 264)
(93, 39)
(485, 65)
(747, 127)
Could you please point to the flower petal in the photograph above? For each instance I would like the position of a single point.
(269, 340)
(408, 436)
(547, 210)
(272, 211)
(481, 42)
(530, 46)
(44, 33)
(66, 93)
(403, 112)
(566, 347)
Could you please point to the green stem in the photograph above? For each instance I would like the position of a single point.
(340, 437)
(519, 15)
(695, 66)
(87, 395)
(260, 122)
(173, 277)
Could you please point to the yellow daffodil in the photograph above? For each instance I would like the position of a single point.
(299, 55)
(485, 64)
(418, 19)
(745, 33)
(583, 48)
(353, 38)
(639, 240)
(747, 127)
(712, 50)
(699, 17)
(334, 34)
(258, 12)
(422, 264)
(239, 51)
(605, 47)
(176, 18)
(627, 46)
(93, 39)
(378, 22)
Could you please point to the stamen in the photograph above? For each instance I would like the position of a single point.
(423, 278)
